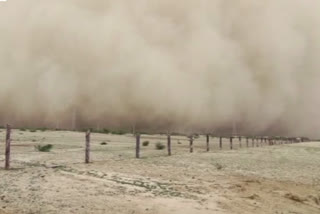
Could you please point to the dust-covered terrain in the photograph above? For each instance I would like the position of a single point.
(269, 179)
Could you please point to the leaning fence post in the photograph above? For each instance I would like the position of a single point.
(231, 143)
(137, 145)
(220, 143)
(191, 144)
(208, 146)
(87, 158)
(8, 144)
(169, 144)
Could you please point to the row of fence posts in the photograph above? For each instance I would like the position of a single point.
(138, 138)
(256, 142)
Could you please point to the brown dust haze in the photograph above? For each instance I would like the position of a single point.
(162, 64)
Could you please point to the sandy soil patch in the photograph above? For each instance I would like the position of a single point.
(269, 179)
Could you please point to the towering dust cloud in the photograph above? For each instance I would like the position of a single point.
(179, 65)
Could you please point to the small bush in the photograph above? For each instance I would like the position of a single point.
(33, 130)
(160, 146)
(45, 148)
(218, 166)
(23, 129)
(196, 136)
(119, 132)
(145, 143)
(101, 131)
(106, 131)
(43, 129)
(103, 143)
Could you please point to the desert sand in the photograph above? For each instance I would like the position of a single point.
(269, 179)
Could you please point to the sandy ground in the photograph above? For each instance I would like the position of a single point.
(270, 179)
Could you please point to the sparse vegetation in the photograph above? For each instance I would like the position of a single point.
(102, 131)
(104, 143)
(45, 148)
(22, 129)
(145, 143)
(196, 136)
(118, 132)
(218, 166)
(106, 131)
(32, 130)
(160, 146)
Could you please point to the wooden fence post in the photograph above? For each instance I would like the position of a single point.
(191, 144)
(169, 144)
(220, 143)
(231, 143)
(253, 142)
(208, 146)
(247, 141)
(8, 144)
(137, 145)
(240, 143)
(87, 158)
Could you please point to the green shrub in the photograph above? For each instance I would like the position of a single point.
(32, 130)
(45, 148)
(103, 143)
(106, 131)
(23, 129)
(145, 143)
(119, 132)
(160, 146)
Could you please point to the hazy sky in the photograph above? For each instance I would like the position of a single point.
(180, 65)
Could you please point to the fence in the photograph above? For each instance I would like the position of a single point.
(233, 142)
